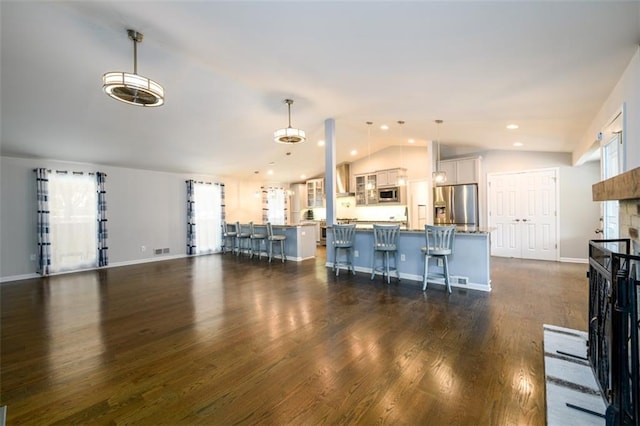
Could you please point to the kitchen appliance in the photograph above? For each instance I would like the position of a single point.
(323, 233)
(389, 195)
(342, 180)
(456, 205)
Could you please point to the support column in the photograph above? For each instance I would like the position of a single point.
(330, 169)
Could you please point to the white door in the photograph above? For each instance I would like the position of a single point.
(610, 165)
(522, 208)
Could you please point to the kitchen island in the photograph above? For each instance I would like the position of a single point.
(300, 243)
(469, 265)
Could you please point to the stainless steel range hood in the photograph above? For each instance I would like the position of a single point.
(342, 180)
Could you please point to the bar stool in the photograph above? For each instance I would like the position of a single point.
(228, 236)
(271, 237)
(385, 241)
(258, 238)
(343, 238)
(243, 236)
(439, 245)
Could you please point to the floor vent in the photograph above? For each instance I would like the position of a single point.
(462, 280)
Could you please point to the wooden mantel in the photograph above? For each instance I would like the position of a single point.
(625, 186)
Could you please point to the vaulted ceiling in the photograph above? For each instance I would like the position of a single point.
(227, 66)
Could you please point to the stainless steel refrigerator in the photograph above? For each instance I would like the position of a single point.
(456, 205)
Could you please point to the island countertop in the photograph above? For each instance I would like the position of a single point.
(459, 229)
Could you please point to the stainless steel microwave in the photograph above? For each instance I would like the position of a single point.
(389, 195)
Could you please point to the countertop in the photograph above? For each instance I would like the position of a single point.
(459, 230)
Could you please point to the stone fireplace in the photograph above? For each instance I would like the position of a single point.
(626, 189)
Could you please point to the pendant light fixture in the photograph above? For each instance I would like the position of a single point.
(130, 88)
(439, 176)
(402, 177)
(289, 135)
(369, 186)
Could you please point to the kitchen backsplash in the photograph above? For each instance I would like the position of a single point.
(346, 208)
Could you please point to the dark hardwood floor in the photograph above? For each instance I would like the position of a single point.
(226, 340)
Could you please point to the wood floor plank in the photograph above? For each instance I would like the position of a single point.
(226, 340)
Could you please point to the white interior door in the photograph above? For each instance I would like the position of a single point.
(610, 166)
(522, 209)
(503, 216)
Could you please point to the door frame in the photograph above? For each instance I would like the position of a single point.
(557, 199)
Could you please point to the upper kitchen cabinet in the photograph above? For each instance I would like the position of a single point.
(386, 178)
(366, 189)
(315, 193)
(462, 170)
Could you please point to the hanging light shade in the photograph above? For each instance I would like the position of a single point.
(289, 135)
(402, 176)
(369, 185)
(130, 88)
(439, 176)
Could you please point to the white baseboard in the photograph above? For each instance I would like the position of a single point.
(573, 260)
(413, 277)
(147, 260)
(19, 277)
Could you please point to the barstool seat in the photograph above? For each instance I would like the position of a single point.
(271, 237)
(243, 235)
(439, 241)
(228, 236)
(385, 241)
(343, 238)
(259, 239)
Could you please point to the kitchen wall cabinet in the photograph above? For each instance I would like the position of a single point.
(315, 193)
(386, 178)
(459, 171)
(366, 189)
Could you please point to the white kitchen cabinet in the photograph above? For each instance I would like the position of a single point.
(366, 189)
(385, 178)
(459, 171)
(315, 193)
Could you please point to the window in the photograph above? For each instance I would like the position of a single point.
(276, 205)
(73, 216)
(205, 212)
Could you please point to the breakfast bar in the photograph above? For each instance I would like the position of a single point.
(469, 265)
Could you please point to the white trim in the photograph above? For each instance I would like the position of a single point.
(418, 278)
(573, 260)
(19, 277)
(149, 260)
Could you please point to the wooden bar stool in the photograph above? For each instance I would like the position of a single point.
(228, 236)
(271, 237)
(439, 245)
(385, 241)
(343, 238)
(259, 239)
(243, 235)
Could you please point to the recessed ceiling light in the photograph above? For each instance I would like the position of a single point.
(320, 143)
(517, 144)
(384, 127)
(303, 176)
(411, 141)
(354, 152)
(512, 126)
(270, 172)
(272, 163)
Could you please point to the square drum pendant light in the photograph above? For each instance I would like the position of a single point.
(289, 135)
(130, 88)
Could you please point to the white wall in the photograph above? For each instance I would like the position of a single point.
(579, 215)
(627, 92)
(416, 159)
(143, 208)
